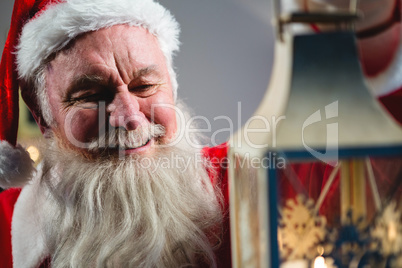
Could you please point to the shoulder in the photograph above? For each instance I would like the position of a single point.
(217, 167)
(8, 199)
(217, 162)
(220, 151)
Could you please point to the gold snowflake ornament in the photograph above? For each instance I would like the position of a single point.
(388, 231)
(300, 229)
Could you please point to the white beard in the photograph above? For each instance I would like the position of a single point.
(116, 213)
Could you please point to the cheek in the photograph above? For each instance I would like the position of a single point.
(162, 111)
(167, 118)
(80, 126)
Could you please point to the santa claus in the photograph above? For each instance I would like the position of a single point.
(117, 187)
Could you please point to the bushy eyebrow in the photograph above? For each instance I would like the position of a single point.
(150, 70)
(85, 80)
(146, 71)
(82, 81)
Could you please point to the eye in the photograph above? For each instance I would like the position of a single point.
(88, 99)
(145, 90)
(144, 87)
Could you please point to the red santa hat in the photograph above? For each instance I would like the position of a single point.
(40, 28)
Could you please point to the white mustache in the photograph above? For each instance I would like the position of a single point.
(123, 139)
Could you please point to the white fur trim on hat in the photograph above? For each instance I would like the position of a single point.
(58, 24)
(16, 166)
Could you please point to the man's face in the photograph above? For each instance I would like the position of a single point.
(114, 77)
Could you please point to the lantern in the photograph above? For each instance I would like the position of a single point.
(315, 173)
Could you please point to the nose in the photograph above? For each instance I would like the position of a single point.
(125, 112)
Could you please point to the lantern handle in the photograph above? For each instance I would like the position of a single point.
(347, 18)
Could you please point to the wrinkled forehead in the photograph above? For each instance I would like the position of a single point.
(120, 49)
(111, 38)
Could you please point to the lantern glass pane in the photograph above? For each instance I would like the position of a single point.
(340, 213)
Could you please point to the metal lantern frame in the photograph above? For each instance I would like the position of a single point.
(316, 78)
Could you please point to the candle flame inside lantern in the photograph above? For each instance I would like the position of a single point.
(320, 250)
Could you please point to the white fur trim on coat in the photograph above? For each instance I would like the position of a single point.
(51, 30)
(16, 166)
(27, 240)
